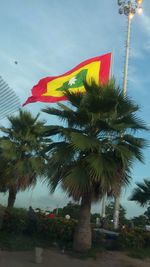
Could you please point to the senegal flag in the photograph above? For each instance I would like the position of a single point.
(51, 89)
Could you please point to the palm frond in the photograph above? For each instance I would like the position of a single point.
(141, 194)
(97, 141)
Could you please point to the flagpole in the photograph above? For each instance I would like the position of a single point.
(112, 64)
(104, 197)
(126, 64)
(128, 8)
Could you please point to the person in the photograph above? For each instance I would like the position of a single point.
(31, 212)
(97, 222)
(32, 219)
(103, 223)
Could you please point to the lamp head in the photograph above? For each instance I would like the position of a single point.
(131, 15)
(139, 2)
(140, 10)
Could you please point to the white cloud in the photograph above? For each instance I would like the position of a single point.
(145, 20)
(145, 23)
(136, 53)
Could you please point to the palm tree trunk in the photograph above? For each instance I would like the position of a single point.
(103, 212)
(116, 211)
(82, 237)
(11, 197)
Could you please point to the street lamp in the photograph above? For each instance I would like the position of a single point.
(129, 9)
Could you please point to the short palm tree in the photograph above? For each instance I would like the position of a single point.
(21, 149)
(89, 154)
(141, 194)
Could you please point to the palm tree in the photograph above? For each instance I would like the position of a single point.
(21, 149)
(89, 154)
(3, 173)
(141, 194)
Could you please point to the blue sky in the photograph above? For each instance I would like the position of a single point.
(49, 37)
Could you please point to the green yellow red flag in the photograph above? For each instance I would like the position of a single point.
(52, 89)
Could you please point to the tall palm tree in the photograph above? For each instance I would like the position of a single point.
(21, 147)
(89, 154)
(141, 194)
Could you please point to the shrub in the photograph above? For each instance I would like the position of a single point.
(14, 221)
(61, 231)
(57, 230)
(98, 239)
(134, 239)
(146, 236)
